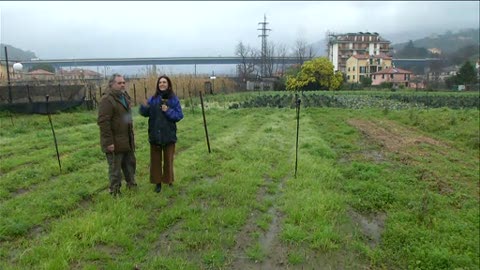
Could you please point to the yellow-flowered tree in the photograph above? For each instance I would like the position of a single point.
(317, 72)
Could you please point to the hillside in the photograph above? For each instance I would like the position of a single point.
(15, 54)
(448, 42)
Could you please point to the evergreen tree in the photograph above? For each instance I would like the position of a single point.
(466, 74)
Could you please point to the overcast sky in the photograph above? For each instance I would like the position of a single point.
(200, 28)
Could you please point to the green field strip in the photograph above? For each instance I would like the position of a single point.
(38, 174)
(23, 212)
(208, 195)
(180, 155)
(401, 195)
(35, 146)
(198, 221)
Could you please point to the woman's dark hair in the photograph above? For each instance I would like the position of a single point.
(169, 89)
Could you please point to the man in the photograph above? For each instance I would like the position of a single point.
(116, 134)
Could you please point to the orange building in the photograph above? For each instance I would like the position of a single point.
(363, 65)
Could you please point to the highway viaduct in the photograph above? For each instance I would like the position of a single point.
(57, 63)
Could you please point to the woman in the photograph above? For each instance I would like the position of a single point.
(164, 111)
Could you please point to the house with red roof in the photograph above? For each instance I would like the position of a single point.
(397, 77)
(40, 74)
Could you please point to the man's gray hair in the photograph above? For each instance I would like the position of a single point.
(112, 79)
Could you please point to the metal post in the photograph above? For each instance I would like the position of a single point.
(10, 99)
(134, 95)
(8, 77)
(205, 122)
(297, 103)
(90, 99)
(53, 132)
(212, 78)
(60, 92)
(191, 100)
(28, 94)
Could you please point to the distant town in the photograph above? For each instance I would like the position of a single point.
(365, 59)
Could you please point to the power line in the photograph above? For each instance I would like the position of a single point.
(264, 36)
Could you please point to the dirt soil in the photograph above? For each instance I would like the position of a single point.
(391, 136)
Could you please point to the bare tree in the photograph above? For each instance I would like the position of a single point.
(247, 66)
(302, 51)
(281, 54)
(269, 60)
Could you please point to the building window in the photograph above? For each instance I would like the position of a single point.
(348, 77)
(354, 77)
(353, 68)
(383, 76)
(374, 77)
(349, 69)
(391, 76)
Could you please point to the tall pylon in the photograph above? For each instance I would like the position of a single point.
(264, 36)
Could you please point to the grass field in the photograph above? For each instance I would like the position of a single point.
(375, 189)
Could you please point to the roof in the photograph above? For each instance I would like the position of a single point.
(341, 38)
(79, 72)
(361, 56)
(40, 72)
(357, 34)
(393, 71)
(383, 56)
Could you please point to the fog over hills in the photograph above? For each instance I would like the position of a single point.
(439, 39)
(128, 29)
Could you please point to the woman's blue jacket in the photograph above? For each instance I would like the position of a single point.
(162, 127)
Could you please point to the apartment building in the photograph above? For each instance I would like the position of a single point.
(361, 66)
(343, 46)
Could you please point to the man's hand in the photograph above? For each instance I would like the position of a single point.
(111, 148)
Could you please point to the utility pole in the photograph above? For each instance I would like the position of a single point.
(264, 36)
(8, 77)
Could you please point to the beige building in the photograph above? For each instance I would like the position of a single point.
(343, 46)
(3, 73)
(4, 76)
(79, 74)
(363, 66)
